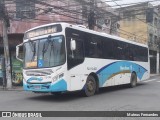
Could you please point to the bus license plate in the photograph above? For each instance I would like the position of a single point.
(37, 87)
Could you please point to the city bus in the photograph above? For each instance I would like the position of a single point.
(61, 57)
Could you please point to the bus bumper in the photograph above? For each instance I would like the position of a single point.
(61, 85)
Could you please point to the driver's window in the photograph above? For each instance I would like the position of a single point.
(76, 56)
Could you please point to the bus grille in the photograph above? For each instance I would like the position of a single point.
(39, 72)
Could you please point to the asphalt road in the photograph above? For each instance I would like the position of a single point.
(144, 97)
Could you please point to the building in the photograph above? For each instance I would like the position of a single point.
(141, 23)
(26, 14)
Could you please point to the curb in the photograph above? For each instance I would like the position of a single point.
(11, 89)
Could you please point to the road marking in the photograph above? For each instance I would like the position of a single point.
(149, 80)
(158, 81)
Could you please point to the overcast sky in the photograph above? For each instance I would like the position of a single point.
(122, 2)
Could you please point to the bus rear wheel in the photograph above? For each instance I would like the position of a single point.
(133, 82)
(90, 86)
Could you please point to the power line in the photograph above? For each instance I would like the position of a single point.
(83, 2)
(63, 14)
(136, 17)
(58, 13)
(143, 10)
(135, 3)
(102, 2)
(59, 8)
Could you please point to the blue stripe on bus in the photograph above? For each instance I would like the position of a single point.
(116, 67)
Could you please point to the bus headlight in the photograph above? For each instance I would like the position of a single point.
(61, 75)
(55, 78)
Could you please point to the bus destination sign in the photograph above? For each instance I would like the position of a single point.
(43, 31)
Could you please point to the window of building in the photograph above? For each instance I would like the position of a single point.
(25, 9)
(84, 11)
(155, 21)
(151, 38)
(155, 39)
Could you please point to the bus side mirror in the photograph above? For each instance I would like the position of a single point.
(73, 44)
(17, 52)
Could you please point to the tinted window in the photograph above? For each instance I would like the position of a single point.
(76, 56)
(106, 48)
(93, 46)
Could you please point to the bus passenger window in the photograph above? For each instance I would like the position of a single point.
(75, 57)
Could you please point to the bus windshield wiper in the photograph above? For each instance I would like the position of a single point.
(32, 45)
(45, 47)
(51, 51)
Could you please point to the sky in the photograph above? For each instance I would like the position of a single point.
(122, 2)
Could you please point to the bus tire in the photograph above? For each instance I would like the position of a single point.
(90, 86)
(133, 82)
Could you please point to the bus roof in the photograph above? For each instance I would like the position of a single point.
(77, 27)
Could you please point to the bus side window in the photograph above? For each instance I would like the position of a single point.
(108, 49)
(132, 53)
(93, 46)
(78, 52)
(76, 56)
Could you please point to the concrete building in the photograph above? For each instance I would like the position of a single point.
(26, 14)
(141, 23)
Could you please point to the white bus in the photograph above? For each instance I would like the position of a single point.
(61, 57)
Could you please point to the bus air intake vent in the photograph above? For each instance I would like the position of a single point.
(39, 72)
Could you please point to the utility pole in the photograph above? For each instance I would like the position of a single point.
(91, 16)
(5, 23)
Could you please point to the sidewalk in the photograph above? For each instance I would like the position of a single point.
(14, 88)
(154, 75)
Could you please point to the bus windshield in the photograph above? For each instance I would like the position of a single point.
(45, 52)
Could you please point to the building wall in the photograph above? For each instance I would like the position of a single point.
(133, 24)
(137, 31)
(72, 11)
(143, 22)
(52, 11)
(153, 29)
(137, 23)
(18, 25)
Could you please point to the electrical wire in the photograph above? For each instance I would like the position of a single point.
(71, 11)
(135, 16)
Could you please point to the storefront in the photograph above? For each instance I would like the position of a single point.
(16, 66)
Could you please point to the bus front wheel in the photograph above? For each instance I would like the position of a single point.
(90, 86)
(133, 82)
